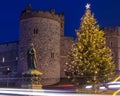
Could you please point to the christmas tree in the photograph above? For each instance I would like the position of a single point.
(91, 60)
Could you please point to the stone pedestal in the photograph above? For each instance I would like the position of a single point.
(31, 86)
(31, 79)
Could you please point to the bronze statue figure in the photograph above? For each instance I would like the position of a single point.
(31, 77)
(31, 57)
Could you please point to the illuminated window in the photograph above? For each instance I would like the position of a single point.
(16, 58)
(3, 59)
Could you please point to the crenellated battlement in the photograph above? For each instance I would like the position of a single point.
(112, 30)
(7, 46)
(29, 13)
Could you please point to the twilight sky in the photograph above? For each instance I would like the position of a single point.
(107, 13)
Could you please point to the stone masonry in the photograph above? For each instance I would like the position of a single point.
(112, 35)
(43, 29)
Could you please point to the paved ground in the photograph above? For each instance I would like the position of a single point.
(61, 87)
(71, 89)
(54, 90)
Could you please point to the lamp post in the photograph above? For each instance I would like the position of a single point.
(94, 81)
(8, 71)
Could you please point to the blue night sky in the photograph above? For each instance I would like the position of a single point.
(107, 13)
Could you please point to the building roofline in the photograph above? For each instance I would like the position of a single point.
(8, 42)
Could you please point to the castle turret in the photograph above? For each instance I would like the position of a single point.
(112, 35)
(43, 29)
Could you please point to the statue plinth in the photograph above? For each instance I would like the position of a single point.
(31, 86)
(31, 79)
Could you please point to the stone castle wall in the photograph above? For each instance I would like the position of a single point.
(44, 32)
(112, 35)
(65, 47)
(8, 57)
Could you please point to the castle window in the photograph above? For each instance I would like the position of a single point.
(112, 55)
(16, 58)
(110, 43)
(35, 31)
(52, 54)
(3, 59)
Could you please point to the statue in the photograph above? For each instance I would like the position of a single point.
(31, 57)
(31, 77)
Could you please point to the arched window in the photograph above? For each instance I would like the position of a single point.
(35, 31)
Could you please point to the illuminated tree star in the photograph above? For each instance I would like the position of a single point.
(87, 6)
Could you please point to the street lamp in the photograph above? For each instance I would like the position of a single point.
(94, 81)
(8, 71)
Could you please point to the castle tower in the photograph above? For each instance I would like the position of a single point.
(43, 29)
(112, 35)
